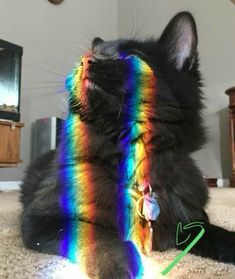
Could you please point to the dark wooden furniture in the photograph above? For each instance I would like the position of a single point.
(231, 93)
(210, 181)
(10, 143)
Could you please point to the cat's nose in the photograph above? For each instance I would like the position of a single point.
(87, 60)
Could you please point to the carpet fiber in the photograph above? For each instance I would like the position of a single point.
(17, 262)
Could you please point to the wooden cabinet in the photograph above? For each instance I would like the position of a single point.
(231, 93)
(10, 143)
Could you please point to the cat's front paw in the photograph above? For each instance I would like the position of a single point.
(115, 273)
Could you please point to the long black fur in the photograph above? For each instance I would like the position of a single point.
(182, 193)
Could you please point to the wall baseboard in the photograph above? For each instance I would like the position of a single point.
(10, 185)
(217, 182)
(223, 182)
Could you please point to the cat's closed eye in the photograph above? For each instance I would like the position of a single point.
(136, 52)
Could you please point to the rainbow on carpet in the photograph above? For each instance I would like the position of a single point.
(134, 169)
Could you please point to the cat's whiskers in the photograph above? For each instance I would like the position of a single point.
(85, 24)
(36, 98)
(121, 106)
(132, 30)
(147, 17)
(82, 48)
(41, 87)
(136, 17)
(45, 70)
(128, 24)
(43, 82)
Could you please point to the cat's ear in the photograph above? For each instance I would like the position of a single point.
(179, 40)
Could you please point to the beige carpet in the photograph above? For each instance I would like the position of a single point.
(16, 262)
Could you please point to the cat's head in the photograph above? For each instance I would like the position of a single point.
(174, 61)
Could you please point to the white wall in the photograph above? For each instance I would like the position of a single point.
(216, 29)
(53, 37)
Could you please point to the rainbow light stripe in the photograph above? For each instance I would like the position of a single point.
(77, 190)
(77, 187)
(135, 167)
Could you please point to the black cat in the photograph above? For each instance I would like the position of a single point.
(182, 193)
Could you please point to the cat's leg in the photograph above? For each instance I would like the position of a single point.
(115, 259)
(35, 175)
(101, 256)
(216, 243)
(40, 233)
(101, 253)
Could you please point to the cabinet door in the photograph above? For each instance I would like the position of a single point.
(9, 144)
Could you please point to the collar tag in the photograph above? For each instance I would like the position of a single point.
(151, 209)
